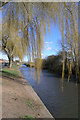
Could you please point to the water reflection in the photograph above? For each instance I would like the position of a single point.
(60, 104)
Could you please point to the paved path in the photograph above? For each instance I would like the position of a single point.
(19, 99)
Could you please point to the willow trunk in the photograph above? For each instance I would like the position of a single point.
(10, 62)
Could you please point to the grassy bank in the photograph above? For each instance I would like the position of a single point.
(11, 72)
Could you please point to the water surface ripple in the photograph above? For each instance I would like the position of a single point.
(60, 104)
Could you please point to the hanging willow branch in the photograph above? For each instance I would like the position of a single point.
(31, 20)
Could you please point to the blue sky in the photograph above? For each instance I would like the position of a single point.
(51, 42)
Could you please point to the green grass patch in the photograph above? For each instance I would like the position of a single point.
(30, 103)
(9, 72)
(0, 73)
(29, 117)
(14, 66)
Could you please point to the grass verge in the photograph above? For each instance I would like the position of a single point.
(10, 72)
(28, 117)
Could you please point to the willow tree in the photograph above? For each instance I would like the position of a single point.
(11, 39)
(11, 43)
(32, 20)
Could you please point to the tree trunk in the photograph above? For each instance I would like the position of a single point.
(10, 62)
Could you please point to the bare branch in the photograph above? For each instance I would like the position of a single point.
(3, 3)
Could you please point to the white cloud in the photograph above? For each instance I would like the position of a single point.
(42, 54)
(56, 50)
(48, 48)
(48, 42)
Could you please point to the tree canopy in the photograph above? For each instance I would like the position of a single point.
(24, 25)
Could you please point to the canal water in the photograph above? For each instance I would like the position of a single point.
(61, 104)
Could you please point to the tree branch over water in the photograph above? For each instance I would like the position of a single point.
(34, 17)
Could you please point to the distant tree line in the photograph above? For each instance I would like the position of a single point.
(54, 64)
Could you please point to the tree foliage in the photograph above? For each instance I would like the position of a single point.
(31, 20)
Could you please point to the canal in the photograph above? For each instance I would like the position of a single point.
(61, 104)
